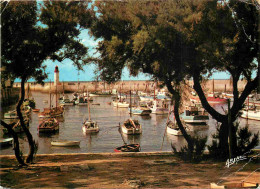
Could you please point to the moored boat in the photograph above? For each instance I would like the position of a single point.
(131, 127)
(193, 115)
(90, 126)
(48, 125)
(65, 143)
(159, 107)
(128, 148)
(251, 114)
(173, 129)
(6, 142)
(17, 126)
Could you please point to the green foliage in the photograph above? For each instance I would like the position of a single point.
(30, 36)
(245, 142)
(194, 155)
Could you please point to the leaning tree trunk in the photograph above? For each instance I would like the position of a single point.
(16, 143)
(223, 119)
(177, 100)
(29, 158)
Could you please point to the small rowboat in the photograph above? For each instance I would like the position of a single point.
(36, 110)
(65, 143)
(128, 148)
(6, 142)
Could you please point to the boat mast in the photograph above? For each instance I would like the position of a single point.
(130, 104)
(56, 97)
(50, 94)
(88, 109)
(213, 87)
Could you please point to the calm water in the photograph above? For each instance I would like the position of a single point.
(108, 118)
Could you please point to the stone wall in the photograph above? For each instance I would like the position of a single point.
(72, 86)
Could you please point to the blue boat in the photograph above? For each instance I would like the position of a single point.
(192, 115)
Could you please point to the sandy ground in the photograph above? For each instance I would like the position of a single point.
(129, 170)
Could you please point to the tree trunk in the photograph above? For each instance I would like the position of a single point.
(183, 131)
(16, 143)
(223, 119)
(177, 100)
(29, 158)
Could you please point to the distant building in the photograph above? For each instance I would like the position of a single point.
(56, 76)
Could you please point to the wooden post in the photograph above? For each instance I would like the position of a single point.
(229, 131)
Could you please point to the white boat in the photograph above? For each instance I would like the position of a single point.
(193, 115)
(131, 127)
(6, 141)
(159, 107)
(162, 95)
(65, 143)
(173, 129)
(251, 114)
(67, 102)
(90, 127)
(120, 104)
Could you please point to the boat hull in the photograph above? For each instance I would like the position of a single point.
(128, 148)
(65, 143)
(131, 131)
(254, 115)
(6, 142)
(176, 132)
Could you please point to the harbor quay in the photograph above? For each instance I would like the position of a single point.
(218, 85)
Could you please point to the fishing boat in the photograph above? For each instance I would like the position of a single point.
(131, 127)
(66, 102)
(162, 95)
(128, 148)
(52, 112)
(81, 101)
(17, 126)
(251, 114)
(210, 99)
(193, 115)
(6, 142)
(48, 125)
(28, 101)
(243, 184)
(141, 109)
(173, 129)
(159, 107)
(90, 126)
(65, 143)
(11, 115)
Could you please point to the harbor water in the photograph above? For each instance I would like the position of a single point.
(153, 137)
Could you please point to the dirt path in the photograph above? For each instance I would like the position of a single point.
(146, 170)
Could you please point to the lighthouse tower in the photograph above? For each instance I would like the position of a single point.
(56, 76)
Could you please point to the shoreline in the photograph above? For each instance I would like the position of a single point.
(122, 170)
